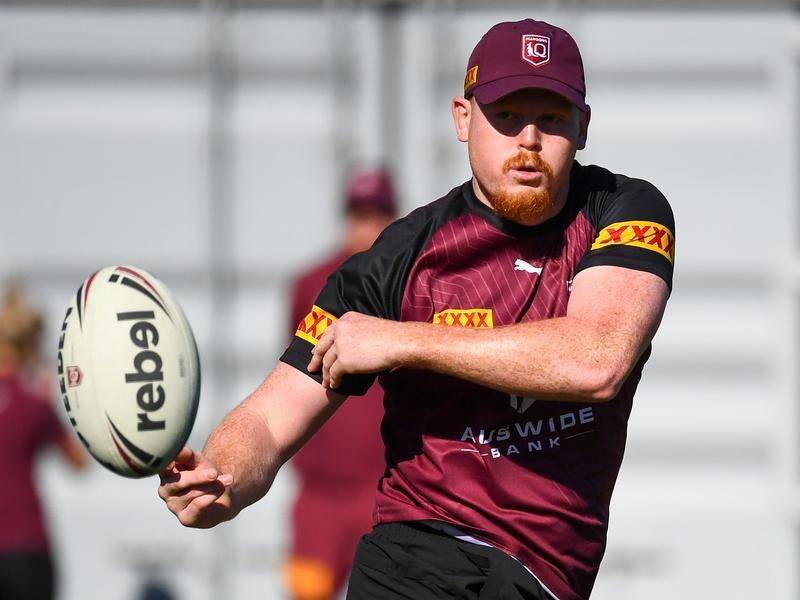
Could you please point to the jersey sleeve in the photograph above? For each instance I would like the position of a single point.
(635, 229)
(370, 283)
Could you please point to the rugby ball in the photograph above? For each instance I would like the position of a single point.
(128, 371)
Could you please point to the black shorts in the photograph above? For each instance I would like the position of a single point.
(412, 561)
(26, 576)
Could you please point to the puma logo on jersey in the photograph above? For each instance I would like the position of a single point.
(521, 265)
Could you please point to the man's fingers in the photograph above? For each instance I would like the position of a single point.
(178, 502)
(327, 362)
(335, 375)
(186, 458)
(321, 349)
(316, 361)
(183, 480)
(192, 514)
(169, 475)
(326, 341)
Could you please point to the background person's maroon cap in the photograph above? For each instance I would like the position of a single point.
(371, 190)
(525, 54)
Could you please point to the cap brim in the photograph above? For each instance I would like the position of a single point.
(492, 91)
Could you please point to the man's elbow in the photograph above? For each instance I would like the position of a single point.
(602, 383)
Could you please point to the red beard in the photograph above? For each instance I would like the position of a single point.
(527, 205)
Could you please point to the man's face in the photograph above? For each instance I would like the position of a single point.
(521, 150)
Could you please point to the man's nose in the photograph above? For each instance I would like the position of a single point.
(530, 138)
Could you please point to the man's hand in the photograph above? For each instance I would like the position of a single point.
(358, 343)
(195, 491)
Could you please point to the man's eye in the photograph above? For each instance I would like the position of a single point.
(506, 115)
(553, 119)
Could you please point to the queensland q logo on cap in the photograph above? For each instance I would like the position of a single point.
(535, 49)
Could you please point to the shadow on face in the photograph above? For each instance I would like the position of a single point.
(549, 112)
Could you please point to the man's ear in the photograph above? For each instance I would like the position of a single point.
(462, 112)
(584, 117)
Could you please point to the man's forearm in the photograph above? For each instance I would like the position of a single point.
(257, 437)
(585, 356)
(244, 446)
(556, 359)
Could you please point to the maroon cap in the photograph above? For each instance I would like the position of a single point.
(371, 189)
(525, 54)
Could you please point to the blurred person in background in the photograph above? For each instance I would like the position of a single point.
(28, 425)
(333, 507)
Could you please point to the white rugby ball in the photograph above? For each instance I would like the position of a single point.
(128, 371)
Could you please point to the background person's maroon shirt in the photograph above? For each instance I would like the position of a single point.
(340, 466)
(531, 478)
(27, 424)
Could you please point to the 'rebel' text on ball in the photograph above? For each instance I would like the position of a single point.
(147, 369)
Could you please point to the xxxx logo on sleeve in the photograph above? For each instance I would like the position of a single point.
(641, 234)
(314, 325)
(469, 317)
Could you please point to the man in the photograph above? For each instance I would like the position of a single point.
(509, 322)
(333, 506)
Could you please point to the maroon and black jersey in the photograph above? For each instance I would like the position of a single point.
(533, 478)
